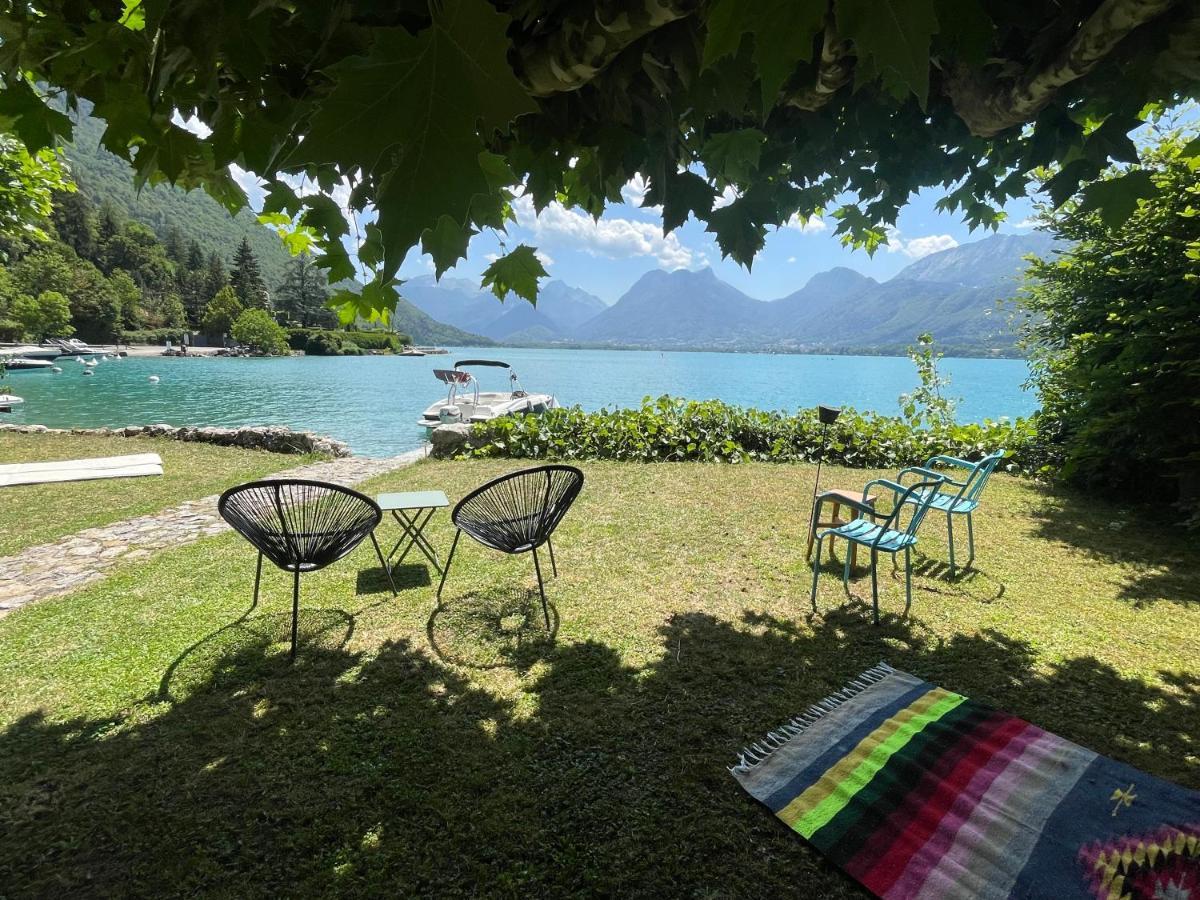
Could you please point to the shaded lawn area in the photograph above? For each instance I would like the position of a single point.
(38, 513)
(155, 741)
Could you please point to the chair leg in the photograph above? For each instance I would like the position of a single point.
(541, 588)
(295, 610)
(950, 530)
(875, 583)
(257, 578)
(846, 567)
(970, 539)
(449, 559)
(907, 578)
(816, 571)
(386, 568)
(553, 564)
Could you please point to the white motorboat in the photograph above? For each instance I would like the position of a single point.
(24, 364)
(71, 347)
(8, 401)
(466, 403)
(29, 351)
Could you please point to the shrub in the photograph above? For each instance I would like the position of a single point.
(153, 336)
(256, 329)
(329, 342)
(671, 429)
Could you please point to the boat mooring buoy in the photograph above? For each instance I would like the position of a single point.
(153, 379)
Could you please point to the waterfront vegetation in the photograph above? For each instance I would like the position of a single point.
(671, 429)
(39, 513)
(155, 740)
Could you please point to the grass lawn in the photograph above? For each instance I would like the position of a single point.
(154, 740)
(37, 513)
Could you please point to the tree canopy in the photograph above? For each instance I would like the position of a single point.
(432, 116)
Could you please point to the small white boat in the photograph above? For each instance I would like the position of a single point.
(28, 351)
(466, 403)
(70, 347)
(23, 364)
(8, 401)
(91, 363)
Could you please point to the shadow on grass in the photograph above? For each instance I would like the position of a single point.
(1160, 557)
(493, 629)
(395, 773)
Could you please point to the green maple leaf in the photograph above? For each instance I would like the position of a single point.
(733, 155)
(446, 243)
(410, 113)
(891, 38)
(516, 272)
(25, 114)
(783, 37)
(739, 229)
(1116, 199)
(680, 194)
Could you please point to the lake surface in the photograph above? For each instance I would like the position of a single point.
(374, 402)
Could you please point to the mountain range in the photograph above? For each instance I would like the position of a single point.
(963, 295)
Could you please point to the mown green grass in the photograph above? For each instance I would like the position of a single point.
(37, 513)
(156, 742)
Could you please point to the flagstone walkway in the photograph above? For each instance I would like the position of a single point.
(69, 563)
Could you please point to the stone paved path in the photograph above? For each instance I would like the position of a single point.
(69, 563)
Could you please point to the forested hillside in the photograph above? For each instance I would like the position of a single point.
(107, 180)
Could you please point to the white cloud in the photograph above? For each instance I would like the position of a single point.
(615, 238)
(634, 192)
(1028, 222)
(727, 196)
(545, 258)
(814, 224)
(791, 259)
(917, 247)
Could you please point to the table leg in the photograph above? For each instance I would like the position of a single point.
(414, 527)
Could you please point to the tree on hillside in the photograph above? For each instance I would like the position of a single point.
(256, 329)
(175, 246)
(215, 277)
(47, 315)
(129, 297)
(303, 293)
(195, 257)
(246, 279)
(1115, 335)
(108, 223)
(74, 220)
(436, 115)
(222, 311)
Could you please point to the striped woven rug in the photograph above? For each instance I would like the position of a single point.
(916, 791)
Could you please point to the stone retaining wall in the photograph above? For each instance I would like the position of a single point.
(273, 438)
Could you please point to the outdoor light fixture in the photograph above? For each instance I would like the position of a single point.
(827, 416)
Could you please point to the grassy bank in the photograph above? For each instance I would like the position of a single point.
(155, 741)
(37, 513)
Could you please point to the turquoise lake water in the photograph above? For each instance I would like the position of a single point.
(373, 402)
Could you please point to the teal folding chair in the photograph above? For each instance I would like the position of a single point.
(891, 536)
(962, 498)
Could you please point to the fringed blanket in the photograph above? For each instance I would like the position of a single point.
(916, 791)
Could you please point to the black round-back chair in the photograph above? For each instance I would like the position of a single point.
(301, 526)
(517, 513)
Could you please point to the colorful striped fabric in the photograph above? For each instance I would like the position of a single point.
(919, 792)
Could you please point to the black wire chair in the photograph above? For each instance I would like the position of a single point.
(517, 513)
(301, 526)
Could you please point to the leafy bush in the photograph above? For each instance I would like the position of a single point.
(671, 429)
(1115, 335)
(256, 329)
(153, 336)
(327, 342)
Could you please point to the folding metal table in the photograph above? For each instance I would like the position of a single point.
(412, 511)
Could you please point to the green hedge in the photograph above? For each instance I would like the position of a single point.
(674, 430)
(329, 342)
(153, 336)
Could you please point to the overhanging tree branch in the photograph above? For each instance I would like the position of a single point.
(576, 52)
(833, 71)
(989, 107)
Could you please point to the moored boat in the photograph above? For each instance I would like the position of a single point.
(465, 403)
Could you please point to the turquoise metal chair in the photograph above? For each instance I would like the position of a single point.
(891, 536)
(956, 497)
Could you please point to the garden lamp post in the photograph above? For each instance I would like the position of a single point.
(827, 416)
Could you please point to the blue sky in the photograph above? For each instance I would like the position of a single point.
(608, 256)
